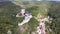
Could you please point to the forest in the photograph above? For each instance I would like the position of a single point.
(8, 19)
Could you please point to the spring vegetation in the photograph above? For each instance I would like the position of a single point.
(8, 19)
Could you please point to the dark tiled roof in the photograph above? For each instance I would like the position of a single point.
(27, 12)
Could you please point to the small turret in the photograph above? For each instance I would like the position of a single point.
(22, 10)
(21, 14)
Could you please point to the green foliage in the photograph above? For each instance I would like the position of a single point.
(38, 7)
(54, 12)
(8, 20)
(33, 23)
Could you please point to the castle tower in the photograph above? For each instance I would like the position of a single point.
(22, 10)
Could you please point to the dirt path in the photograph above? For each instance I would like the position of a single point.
(41, 28)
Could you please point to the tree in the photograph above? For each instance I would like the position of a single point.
(54, 12)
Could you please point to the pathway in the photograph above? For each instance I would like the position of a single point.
(41, 28)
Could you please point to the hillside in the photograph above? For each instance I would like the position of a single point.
(9, 21)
